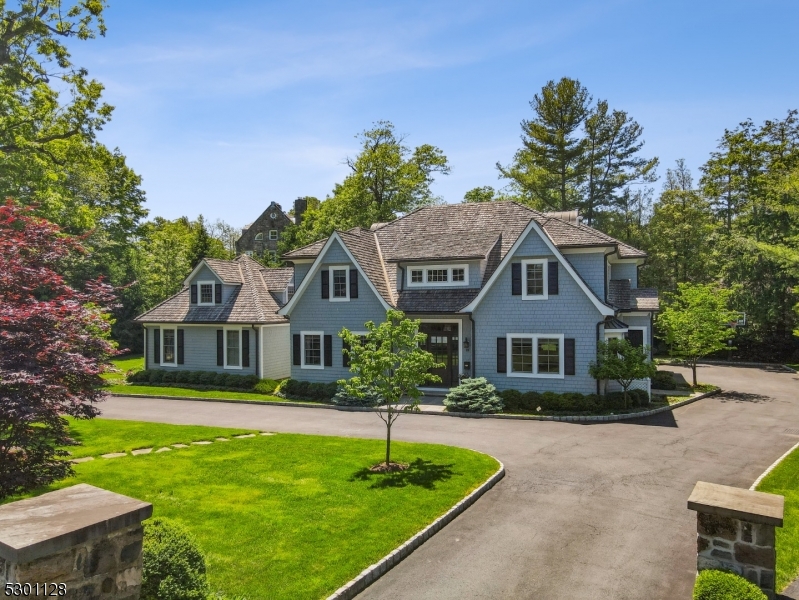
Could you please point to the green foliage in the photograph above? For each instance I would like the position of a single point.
(308, 390)
(389, 363)
(473, 395)
(664, 380)
(173, 568)
(266, 386)
(480, 194)
(618, 360)
(365, 397)
(712, 584)
(568, 402)
(696, 322)
(201, 379)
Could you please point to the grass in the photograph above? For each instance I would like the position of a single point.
(282, 516)
(129, 362)
(157, 390)
(784, 480)
(795, 367)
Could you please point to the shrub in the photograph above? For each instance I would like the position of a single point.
(512, 399)
(156, 376)
(473, 396)
(265, 386)
(370, 398)
(206, 378)
(173, 568)
(168, 377)
(182, 376)
(138, 376)
(664, 380)
(712, 584)
(247, 382)
(220, 379)
(194, 377)
(322, 391)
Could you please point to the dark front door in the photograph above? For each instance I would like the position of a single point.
(442, 343)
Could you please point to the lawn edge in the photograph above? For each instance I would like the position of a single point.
(373, 572)
(773, 466)
(566, 418)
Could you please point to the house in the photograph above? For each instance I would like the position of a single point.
(225, 319)
(262, 235)
(503, 292)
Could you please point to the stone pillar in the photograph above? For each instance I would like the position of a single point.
(86, 538)
(735, 531)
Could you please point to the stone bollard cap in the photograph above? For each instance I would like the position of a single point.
(725, 501)
(37, 527)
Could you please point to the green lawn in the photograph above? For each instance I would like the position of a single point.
(125, 363)
(282, 516)
(157, 390)
(795, 367)
(784, 480)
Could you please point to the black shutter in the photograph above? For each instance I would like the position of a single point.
(502, 354)
(297, 349)
(552, 274)
(157, 346)
(353, 283)
(180, 346)
(636, 337)
(516, 279)
(193, 293)
(325, 284)
(345, 357)
(328, 350)
(217, 293)
(220, 347)
(245, 347)
(568, 356)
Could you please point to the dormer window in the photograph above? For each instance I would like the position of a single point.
(534, 277)
(259, 237)
(206, 292)
(458, 274)
(438, 275)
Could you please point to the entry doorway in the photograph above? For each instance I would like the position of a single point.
(443, 343)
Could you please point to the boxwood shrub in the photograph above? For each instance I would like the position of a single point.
(173, 568)
(308, 390)
(664, 380)
(712, 584)
(571, 402)
(202, 379)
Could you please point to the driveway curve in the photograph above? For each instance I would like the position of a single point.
(586, 511)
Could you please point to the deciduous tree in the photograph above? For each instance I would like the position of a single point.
(618, 360)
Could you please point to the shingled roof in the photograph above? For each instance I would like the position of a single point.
(624, 298)
(249, 303)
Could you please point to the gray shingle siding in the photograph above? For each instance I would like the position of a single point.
(313, 313)
(199, 344)
(591, 268)
(625, 271)
(300, 271)
(206, 274)
(570, 313)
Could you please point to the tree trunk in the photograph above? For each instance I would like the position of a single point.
(388, 445)
(625, 398)
(693, 369)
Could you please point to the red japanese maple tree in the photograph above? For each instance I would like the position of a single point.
(53, 346)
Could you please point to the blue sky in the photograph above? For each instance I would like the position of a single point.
(223, 107)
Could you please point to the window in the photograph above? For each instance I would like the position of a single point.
(535, 355)
(168, 347)
(443, 275)
(289, 292)
(233, 348)
(273, 234)
(259, 237)
(248, 252)
(312, 350)
(206, 292)
(340, 283)
(534, 276)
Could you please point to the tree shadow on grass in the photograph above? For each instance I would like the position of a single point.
(420, 473)
(743, 397)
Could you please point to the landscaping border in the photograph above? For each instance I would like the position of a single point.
(566, 418)
(373, 572)
(773, 466)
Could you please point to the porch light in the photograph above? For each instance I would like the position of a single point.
(466, 343)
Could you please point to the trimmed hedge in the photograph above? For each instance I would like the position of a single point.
(173, 568)
(572, 402)
(308, 390)
(473, 396)
(200, 379)
(664, 380)
(712, 584)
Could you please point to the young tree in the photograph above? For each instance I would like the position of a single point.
(389, 363)
(618, 360)
(697, 322)
(53, 346)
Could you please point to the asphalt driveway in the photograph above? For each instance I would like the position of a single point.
(586, 511)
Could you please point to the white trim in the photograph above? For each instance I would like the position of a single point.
(200, 293)
(259, 237)
(175, 350)
(445, 267)
(197, 270)
(617, 260)
(602, 308)
(286, 310)
(321, 335)
(271, 231)
(535, 337)
(591, 250)
(226, 329)
(332, 285)
(544, 281)
(635, 313)
(181, 325)
(460, 341)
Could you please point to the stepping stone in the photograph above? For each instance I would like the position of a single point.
(267, 433)
(246, 435)
(114, 454)
(202, 443)
(164, 449)
(180, 446)
(82, 460)
(222, 440)
(141, 451)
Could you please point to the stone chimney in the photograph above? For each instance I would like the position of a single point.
(300, 206)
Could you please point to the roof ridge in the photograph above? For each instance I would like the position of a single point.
(383, 266)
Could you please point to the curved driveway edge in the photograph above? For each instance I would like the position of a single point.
(374, 572)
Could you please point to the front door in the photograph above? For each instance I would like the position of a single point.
(442, 343)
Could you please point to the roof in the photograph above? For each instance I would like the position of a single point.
(250, 302)
(644, 299)
(435, 301)
(625, 298)
(277, 280)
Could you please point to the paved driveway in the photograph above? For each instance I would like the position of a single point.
(586, 511)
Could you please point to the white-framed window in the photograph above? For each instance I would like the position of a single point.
(205, 292)
(248, 252)
(233, 348)
(535, 355)
(340, 283)
(438, 275)
(289, 293)
(312, 350)
(259, 237)
(273, 234)
(534, 279)
(169, 347)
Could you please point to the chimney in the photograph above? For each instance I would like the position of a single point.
(300, 205)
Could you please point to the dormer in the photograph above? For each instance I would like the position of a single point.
(212, 282)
